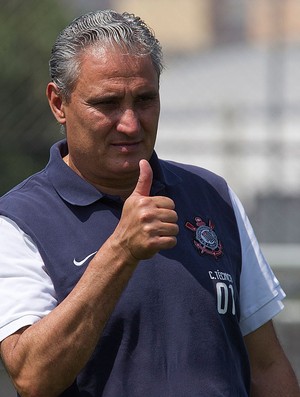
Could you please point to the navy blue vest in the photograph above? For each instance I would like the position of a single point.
(175, 330)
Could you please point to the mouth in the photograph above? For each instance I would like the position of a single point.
(126, 147)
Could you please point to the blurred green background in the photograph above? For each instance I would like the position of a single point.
(27, 29)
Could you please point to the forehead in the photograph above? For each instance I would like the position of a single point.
(104, 64)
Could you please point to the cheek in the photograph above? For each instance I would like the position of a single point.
(101, 124)
(150, 119)
(151, 128)
(91, 126)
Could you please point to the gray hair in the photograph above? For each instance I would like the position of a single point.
(99, 28)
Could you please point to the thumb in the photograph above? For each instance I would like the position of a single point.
(144, 182)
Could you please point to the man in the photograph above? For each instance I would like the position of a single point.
(121, 274)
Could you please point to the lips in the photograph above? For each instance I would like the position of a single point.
(126, 146)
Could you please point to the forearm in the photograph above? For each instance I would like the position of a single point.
(271, 372)
(277, 381)
(47, 356)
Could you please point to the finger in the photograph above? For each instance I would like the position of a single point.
(163, 202)
(167, 242)
(168, 230)
(144, 182)
(167, 216)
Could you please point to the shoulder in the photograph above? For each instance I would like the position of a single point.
(192, 176)
(193, 170)
(28, 200)
(27, 192)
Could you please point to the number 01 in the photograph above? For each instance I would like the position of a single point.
(223, 298)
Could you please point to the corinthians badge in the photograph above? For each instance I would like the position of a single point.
(205, 240)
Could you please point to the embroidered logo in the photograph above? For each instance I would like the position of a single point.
(82, 262)
(205, 240)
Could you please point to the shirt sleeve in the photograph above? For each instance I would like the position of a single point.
(26, 291)
(260, 292)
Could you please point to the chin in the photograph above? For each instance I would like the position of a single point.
(129, 171)
(131, 164)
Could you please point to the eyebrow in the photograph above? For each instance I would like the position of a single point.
(115, 96)
(99, 97)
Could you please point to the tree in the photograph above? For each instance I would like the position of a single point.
(27, 128)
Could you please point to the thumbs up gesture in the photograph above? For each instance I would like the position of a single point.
(144, 182)
(148, 224)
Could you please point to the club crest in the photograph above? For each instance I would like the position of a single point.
(205, 238)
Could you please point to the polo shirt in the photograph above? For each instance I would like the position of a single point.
(176, 330)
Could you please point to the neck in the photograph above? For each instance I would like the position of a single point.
(125, 186)
(122, 191)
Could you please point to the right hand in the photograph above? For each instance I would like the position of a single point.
(148, 224)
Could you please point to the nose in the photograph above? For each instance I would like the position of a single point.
(128, 122)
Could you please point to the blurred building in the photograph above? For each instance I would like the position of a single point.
(269, 21)
(181, 26)
(193, 25)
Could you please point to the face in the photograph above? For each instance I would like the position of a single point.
(112, 117)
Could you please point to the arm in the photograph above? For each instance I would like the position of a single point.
(272, 374)
(45, 358)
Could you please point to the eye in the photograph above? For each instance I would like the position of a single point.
(104, 103)
(147, 99)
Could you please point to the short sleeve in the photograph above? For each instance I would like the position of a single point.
(26, 291)
(260, 292)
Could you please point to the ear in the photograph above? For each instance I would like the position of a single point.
(55, 102)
